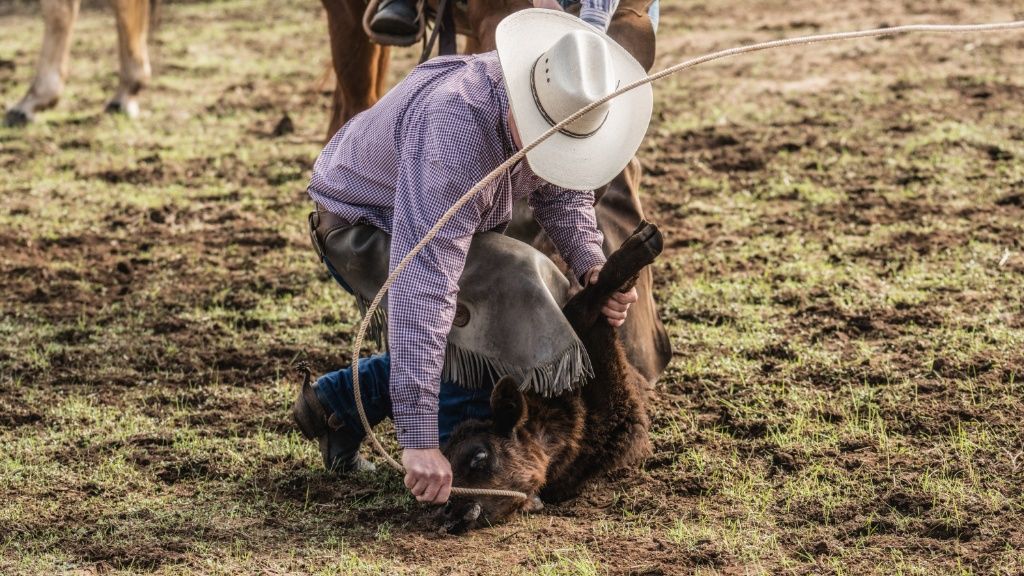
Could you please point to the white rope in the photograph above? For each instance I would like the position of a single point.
(494, 174)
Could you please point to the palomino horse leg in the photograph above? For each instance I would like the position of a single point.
(58, 17)
(360, 66)
(381, 72)
(132, 31)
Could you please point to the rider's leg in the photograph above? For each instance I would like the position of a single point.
(336, 394)
(340, 445)
(395, 17)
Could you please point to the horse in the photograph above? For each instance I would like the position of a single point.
(360, 65)
(133, 22)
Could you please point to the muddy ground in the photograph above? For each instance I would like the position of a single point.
(844, 286)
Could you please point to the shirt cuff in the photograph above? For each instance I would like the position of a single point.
(595, 17)
(586, 257)
(416, 431)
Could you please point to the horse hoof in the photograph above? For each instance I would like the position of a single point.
(129, 109)
(15, 118)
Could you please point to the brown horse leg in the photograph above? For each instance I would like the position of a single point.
(472, 46)
(643, 335)
(631, 27)
(58, 17)
(381, 71)
(483, 19)
(132, 33)
(359, 65)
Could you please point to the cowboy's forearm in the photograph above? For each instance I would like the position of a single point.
(421, 307)
(419, 318)
(414, 389)
(568, 218)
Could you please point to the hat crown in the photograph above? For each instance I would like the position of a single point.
(575, 72)
(588, 65)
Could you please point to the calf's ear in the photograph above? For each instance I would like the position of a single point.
(508, 407)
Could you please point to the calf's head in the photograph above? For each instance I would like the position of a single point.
(500, 453)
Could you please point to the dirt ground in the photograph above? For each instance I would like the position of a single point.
(844, 287)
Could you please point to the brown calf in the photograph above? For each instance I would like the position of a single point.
(549, 447)
(59, 17)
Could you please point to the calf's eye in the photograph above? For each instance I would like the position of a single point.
(479, 459)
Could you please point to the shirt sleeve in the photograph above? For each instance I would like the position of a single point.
(568, 218)
(433, 174)
(598, 13)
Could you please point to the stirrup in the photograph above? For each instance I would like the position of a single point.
(391, 39)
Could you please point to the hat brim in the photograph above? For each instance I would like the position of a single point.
(566, 161)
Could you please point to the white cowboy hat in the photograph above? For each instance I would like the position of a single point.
(554, 64)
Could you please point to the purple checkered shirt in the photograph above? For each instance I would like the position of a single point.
(403, 163)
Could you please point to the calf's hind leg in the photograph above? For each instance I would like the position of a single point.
(616, 425)
(132, 33)
(58, 19)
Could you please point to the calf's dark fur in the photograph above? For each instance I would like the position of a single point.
(549, 447)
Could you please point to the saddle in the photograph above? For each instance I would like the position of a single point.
(508, 319)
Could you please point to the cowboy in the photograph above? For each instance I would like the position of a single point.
(399, 17)
(388, 175)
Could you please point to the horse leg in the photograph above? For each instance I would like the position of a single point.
(632, 28)
(58, 17)
(132, 31)
(360, 66)
(483, 21)
(643, 335)
(381, 71)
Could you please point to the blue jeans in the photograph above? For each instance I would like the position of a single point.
(654, 11)
(455, 403)
(334, 390)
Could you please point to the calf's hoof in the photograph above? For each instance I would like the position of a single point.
(15, 118)
(461, 516)
(638, 251)
(128, 108)
(644, 245)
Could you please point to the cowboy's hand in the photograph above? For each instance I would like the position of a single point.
(549, 4)
(616, 308)
(428, 475)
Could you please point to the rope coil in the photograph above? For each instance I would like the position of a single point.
(494, 174)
